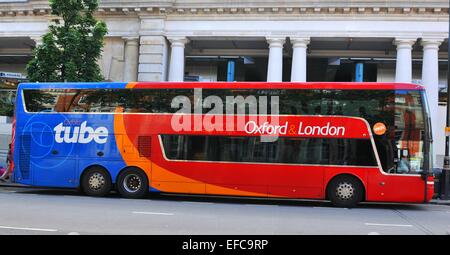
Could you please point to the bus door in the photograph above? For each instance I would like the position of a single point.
(400, 177)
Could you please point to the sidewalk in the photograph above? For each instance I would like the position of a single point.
(440, 202)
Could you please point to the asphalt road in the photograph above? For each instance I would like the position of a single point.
(62, 212)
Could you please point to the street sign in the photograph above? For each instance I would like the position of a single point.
(12, 75)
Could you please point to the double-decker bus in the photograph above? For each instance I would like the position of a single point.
(344, 142)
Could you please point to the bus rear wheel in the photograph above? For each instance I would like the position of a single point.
(345, 191)
(132, 183)
(96, 182)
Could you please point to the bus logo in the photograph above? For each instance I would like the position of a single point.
(379, 128)
(82, 134)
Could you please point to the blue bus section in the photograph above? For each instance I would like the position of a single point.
(55, 148)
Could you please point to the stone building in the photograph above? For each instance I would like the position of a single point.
(210, 40)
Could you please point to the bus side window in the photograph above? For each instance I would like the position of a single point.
(40, 100)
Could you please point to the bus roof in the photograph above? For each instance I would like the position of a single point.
(228, 85)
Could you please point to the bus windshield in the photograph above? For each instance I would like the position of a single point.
(404, 141)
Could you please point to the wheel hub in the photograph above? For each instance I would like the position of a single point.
(96, 181)
(345, 191)
(132, 183)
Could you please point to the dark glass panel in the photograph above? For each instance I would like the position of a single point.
(316, 151)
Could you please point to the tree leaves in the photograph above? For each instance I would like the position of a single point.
(72, 46)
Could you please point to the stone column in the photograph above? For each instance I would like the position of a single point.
(403, 68)
(176, 66)
(275, 65)
(298, 71)
(130, 69)
(430, 79)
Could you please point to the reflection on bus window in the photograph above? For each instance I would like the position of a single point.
(400, 147)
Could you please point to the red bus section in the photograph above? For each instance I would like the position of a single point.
(288, 180)
(344, 142)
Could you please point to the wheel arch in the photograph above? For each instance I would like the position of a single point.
(352, 175)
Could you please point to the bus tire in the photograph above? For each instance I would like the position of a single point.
(132, 183)
(345, 191)
(96, 182)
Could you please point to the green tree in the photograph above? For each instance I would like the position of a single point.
(71, 48)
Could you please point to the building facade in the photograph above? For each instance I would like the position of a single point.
(266, 40)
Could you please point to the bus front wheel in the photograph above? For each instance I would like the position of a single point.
(96, 181)
(345, 191)
(132, 183)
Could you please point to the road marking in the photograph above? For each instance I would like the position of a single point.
(30, 229)
(196, 203)
(154, 213)
(388, 225)
(373, 233)
(73, 234)
(81, 196)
